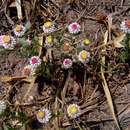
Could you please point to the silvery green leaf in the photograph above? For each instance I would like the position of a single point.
(28, 25)
(22, 41)
(79, 49)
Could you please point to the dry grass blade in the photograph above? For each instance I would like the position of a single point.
(105, 86)
(19, 10)
(117, 41)
(32, 80)
(109, 98)
(9, 78)
(63, 93)
(78, 125)
(109, 17)
(57, 120)
(6, 78)
(40, 37)
(31, 85)
(87, 109)
(84, 86)
(8, 18)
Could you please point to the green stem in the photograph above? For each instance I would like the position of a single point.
(127, 46)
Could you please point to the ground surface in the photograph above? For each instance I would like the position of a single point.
(51, 92)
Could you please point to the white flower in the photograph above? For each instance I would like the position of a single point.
(28, 71)
(2, 106)
(7, 41)
(43, 115)
(125, 26)
(73, 110)
(67, 63)
(49, 41)
(48, 27)
(35, 61)
(19, 30)
(84, 56)
(74, 28)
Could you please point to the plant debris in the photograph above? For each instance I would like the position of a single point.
(64, 65)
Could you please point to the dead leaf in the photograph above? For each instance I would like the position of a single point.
(27, 9)
(13, 4)
(101, 16)
(118, 40)
(9, 78)
(27, 80)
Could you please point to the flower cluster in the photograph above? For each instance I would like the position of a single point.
(70, 49)
(44, 115)
(29, 70)
(8, 41)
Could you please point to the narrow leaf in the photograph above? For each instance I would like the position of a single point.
(105, 86)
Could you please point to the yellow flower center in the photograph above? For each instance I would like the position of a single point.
(41, 114)
(47, 24)
(49, 39)
(6, 39)
(84, 55)
(86, 42)
(18, 28)
(73, 110)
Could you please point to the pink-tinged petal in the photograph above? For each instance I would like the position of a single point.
(1, 39)
(74, 26)
(125, 26)
(34, 60)
(67, 63)
(127, 23)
